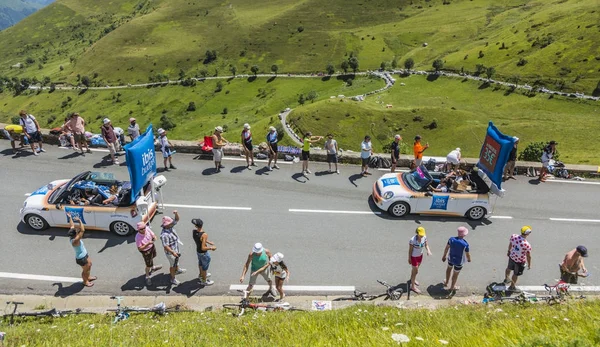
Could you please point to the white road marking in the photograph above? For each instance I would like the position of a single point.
(397, 170)
(259, 160)
(575, 220)
(501, 217)
(298, 288)
(332, 211)
(91, 149)
(210, 207)
(39, 277)
(574, 182)
(572, 288)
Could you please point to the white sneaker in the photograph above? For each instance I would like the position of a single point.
(180, 271)
(249, 167)
(207, 283)
(35, 153)
(308, 171)
(337, 172)
(175, 282)
(42, 150)
(116, 162)
(275, 167)
(270, 168)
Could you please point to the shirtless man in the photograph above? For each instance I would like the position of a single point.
(218, 142)
(572, 266)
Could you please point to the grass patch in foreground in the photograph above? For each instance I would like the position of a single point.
(574, 324)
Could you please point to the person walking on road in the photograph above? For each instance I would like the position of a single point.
(418, 150)
(82, 257)
(218, 143)
(202, 247)
(272, 143)
(32, 131)
(170, 241)
(332, 149)
(308, 139)
(417, 245)
(109, 136)
(247, 146)
(395, 147)
(459, 249)
(256, 261)
(547, 155)
(133, 130)
(509, 171)
(144, 240)
(453, 159)
(77, 125)
(165, 148)
(366, 150)
(572, 267)
(519, 254)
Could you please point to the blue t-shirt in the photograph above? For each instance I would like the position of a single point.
(80, 251)
(458, 247)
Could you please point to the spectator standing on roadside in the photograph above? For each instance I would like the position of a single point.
(572, 267)
(67, 134)
(453, 159)
(280, 271)
(459, 249)
(133, 130)
(519, 254)
(13, 133)
(257, 259)
(418, 150)
(109, 136)
(308, 139)
(170, 241)
(247, 145)
(547, 155)
(332, 149)
(165, 148)
(272, 142)
(395, 147)
(32, 131)
(77, 125)
(366, 150)
(417, 244)
(202, 247)
(509, 171)
(144, 240)
(82, 257)
(218, 143)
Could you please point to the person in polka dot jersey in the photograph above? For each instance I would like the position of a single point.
(519, 254)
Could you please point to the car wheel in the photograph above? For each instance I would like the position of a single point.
(476, 213)
(399, 209)
(36, 222)
(121, 228)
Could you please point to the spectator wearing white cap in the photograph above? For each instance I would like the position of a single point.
(453, 159)
(459, 250)
(165, 148)
(109, 136)
(133, 130)
(258, 261)
(272, 140)
(509, 170)
(279, 270)
(171, 243)
(218, 143)
(247, 145)
(395, 151)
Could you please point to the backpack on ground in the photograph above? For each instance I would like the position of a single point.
(384, 163)
(373, 162)
(261, 156)
(288, 158)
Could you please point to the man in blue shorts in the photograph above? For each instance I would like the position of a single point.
(459, 249)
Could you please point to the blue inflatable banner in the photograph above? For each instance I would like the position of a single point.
(494, 154)
(141, 161)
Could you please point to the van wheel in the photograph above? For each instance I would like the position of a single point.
(121, 228)
(399, 209)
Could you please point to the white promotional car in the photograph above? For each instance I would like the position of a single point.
(83, 196)
(404, 193)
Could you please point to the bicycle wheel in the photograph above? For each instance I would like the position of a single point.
(235, 309)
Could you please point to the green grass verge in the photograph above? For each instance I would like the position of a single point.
(573, 324)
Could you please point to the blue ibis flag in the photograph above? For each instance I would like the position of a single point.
(141, 161)
(494, 154)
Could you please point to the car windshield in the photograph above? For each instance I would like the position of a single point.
(418, 179)
(54, 197)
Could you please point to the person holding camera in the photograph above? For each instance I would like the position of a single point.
(547, 155)
(171, 243)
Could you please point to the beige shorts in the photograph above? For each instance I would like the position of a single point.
(217, 154)
(173, 261)
(265, 274)
(111, 148)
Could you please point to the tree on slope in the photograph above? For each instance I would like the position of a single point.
(438, 64)
(255, 69)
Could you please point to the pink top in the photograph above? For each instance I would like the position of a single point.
(520, 248)
(144, 238)
(77, 125)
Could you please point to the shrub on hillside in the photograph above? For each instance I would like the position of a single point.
(166, 123)
(280, 131)
(51, 119)
(522, 62)
(533, 152)
(15, 120)
(191, 106)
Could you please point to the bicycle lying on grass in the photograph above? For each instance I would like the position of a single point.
(48, 313)
(555, 294)
(392, 293)
(123, 312)
(238, 310)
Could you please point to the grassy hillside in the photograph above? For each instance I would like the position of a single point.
(122, 41)
(12, 11)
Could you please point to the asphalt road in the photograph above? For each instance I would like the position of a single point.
(320, 247)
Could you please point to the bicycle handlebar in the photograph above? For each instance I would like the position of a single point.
(383, 283)
(14, 303)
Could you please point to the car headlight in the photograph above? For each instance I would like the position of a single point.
(388, 195)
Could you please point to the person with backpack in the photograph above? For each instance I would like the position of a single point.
(417, 245)
(395, 151)
(459, 249)
(32, 132)
(547, 155)
(202, 247)
(308, 139)
(247, 146)
(366, 150)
